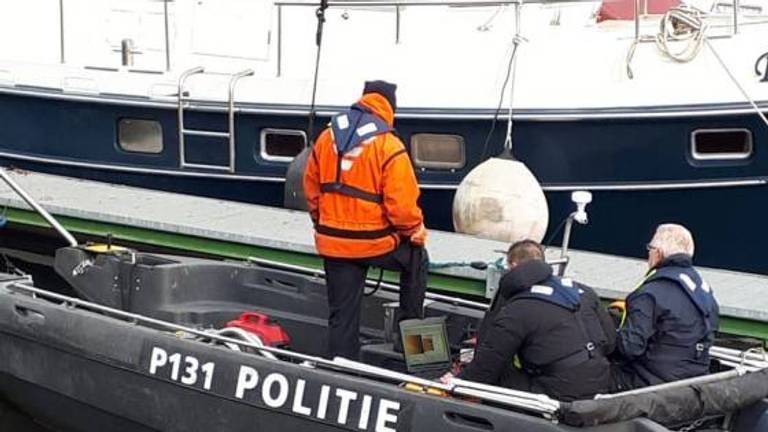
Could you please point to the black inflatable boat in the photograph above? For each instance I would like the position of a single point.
(150, 350)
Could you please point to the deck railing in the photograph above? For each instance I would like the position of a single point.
(640, 6)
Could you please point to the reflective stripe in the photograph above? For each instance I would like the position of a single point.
(367, 129)
(688, 281)
(542, 289)
(353, 234)
(351, 191)
(342, 121)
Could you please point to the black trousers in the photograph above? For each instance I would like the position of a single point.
(345, 279)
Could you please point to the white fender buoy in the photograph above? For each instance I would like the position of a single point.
(501, 199)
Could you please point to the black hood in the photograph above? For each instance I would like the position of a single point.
(522, 277)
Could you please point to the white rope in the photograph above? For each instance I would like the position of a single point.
(687, 24)
(681, 24)
(736, 82)
(517, 40)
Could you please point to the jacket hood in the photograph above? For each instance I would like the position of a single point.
(380, 106)
(522, 277)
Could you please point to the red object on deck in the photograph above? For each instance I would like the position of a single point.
(270, 332)
(625, 9)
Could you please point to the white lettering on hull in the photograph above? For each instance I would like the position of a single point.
(322, 405)
(352, 409)
(298, 399)
(246, 380)
(385, 416)
(365, 413)
(345, 397)
(282, 390)
(159, 359)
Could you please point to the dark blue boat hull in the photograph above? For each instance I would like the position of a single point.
(640, 170)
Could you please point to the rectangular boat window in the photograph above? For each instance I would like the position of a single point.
(438, 151)
(282, 145)
(140, 136)
(709, 144)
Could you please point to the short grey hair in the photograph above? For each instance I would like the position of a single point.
(673, 239)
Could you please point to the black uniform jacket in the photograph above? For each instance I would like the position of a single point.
(541, 333)
(660, 314)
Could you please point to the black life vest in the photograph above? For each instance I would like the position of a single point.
(564, 293)
(700, 293)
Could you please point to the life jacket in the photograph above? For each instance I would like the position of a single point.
(562, 292)
(700, 294)
(345, 184)
(350, 129)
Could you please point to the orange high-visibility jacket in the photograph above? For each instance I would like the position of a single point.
(363, 211)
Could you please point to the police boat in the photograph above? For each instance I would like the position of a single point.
(161, 342)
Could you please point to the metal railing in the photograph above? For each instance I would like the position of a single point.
(397, 5)
(37, 207)
(229, 134)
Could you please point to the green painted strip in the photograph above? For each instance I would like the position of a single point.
(728, 325)
(744, 328)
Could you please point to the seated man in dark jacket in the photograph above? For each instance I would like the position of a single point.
(671, 318)
(554, 329)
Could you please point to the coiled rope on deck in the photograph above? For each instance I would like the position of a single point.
(681, 24)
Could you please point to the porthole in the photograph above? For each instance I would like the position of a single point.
(282, 145)
(438, 151)
(721, 144)
(140, 136)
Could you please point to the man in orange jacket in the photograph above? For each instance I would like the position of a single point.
(362, 193)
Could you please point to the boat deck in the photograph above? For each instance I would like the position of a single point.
(741, 296)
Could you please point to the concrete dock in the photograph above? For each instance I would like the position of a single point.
(742, 296)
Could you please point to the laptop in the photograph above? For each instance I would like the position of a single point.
(425, 345)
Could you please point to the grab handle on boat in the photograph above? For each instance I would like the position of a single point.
(468, 422)
(28, 314)
(40, 210)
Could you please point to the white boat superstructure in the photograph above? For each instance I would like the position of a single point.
(443, 56)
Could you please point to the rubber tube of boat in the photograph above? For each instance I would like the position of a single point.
(501, 199)
(293, 196)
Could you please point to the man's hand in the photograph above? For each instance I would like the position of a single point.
(419, 237)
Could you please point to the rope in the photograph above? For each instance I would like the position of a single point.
(477, 265)
(736, 82)
(320, 14)
(518, 39)
(377, 286)
(682, 24)
(501, 102)
(685, 23)
(489, 22)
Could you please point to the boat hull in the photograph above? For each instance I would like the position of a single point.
(640, 168)
(85, 372)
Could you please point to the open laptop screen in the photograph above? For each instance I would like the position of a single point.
(425, 344)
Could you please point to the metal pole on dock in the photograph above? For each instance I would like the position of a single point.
(40, 210)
